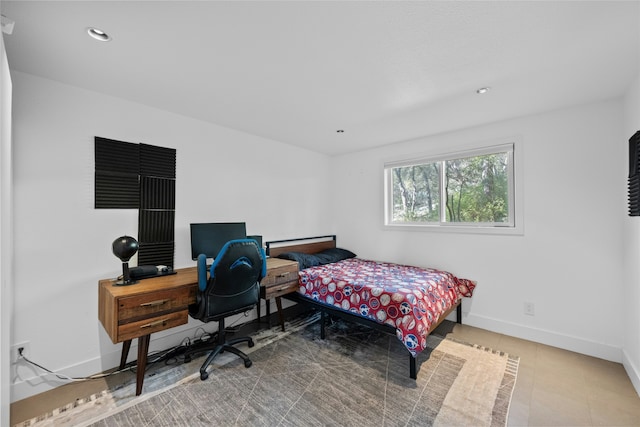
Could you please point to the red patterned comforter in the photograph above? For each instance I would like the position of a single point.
(411, 299)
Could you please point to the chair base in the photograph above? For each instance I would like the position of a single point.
(220, 347)
(227, 346)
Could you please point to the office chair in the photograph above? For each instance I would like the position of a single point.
(233, 287)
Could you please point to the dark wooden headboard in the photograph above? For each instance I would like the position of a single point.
(307, 245)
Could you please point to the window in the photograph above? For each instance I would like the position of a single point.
(474, 189)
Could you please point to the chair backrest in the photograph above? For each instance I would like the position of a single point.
(233, 285)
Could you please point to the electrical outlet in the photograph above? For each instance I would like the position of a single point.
(15, 354)
(529, 309)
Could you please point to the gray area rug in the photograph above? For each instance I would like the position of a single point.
(356, 377)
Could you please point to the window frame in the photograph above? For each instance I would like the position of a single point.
(515, 225)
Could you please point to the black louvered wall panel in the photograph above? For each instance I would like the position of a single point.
(116, 191)
(157, 193)
(140, 176)
(156, 253)
(156, 217)
(156, 226)
(634, 198)
(117, 169)
(634, 175)
(157, 161)
(120, 156)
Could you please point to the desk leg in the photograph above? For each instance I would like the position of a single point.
(258, 307)
(126, 345)
(267, 305)
(269, 311)
(143, 349)
(280, 315)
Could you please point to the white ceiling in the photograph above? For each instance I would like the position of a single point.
(297, 71)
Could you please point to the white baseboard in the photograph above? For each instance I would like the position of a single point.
(40, 382)
(554, 339)
(632, 371)
(33, 381)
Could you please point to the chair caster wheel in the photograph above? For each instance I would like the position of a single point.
(251, 343)
(248, 363)
(204, 376)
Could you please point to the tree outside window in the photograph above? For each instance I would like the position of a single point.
(472, 189)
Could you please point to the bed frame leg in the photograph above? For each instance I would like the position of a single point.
(323, 321)
(413, 372)
(459, 313)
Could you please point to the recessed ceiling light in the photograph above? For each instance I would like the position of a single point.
(98, 34)
(483, 90)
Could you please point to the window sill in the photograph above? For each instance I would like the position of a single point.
(506, 230)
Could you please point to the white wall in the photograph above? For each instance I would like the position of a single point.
(569, 260)
(631, 251)
(6, 235)
(63, 244)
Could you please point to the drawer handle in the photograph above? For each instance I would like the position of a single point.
(156, 323)
(154, 303)
(285, 274)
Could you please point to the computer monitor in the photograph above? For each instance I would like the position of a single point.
(209, 238)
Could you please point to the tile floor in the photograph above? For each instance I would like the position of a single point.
(554, 387)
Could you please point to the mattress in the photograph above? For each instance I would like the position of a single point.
(410, 299)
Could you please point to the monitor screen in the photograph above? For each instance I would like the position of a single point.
(208, 238)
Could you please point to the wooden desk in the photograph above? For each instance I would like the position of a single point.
(153, 305)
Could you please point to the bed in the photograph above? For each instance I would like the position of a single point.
(406, 301)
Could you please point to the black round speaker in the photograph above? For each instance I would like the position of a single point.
(125, 247)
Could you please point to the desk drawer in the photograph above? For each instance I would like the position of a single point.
(145, 306)
(278, 290)
(280, 280)
(282, 274)
(151, 325)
